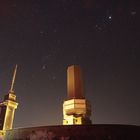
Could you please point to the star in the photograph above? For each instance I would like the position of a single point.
(133, 13)
(110, 17)
(44, 67)
(54, 77)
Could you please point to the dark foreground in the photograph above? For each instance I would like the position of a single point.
(80, 132)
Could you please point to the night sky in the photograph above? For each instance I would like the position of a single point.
(44, 37)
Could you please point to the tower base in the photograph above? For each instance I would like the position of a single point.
(76, 112)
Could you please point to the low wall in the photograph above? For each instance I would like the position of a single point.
(76, 132)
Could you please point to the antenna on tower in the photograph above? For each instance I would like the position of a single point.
(13, 79)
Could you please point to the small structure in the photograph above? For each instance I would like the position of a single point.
(76, 109)
(7, 108)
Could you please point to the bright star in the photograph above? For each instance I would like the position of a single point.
(110, 17)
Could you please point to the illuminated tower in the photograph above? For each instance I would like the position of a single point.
(7, 107)
(76, 109)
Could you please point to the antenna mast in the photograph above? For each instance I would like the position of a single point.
(13, 79)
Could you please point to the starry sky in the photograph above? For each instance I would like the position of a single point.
(44, 37)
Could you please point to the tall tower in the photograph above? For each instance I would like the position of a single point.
(76, 109)
(7, 107)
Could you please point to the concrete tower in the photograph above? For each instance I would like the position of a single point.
(76, 109)
(7, 108)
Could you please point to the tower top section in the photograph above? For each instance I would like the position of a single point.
(13, 79)
(74, 82)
